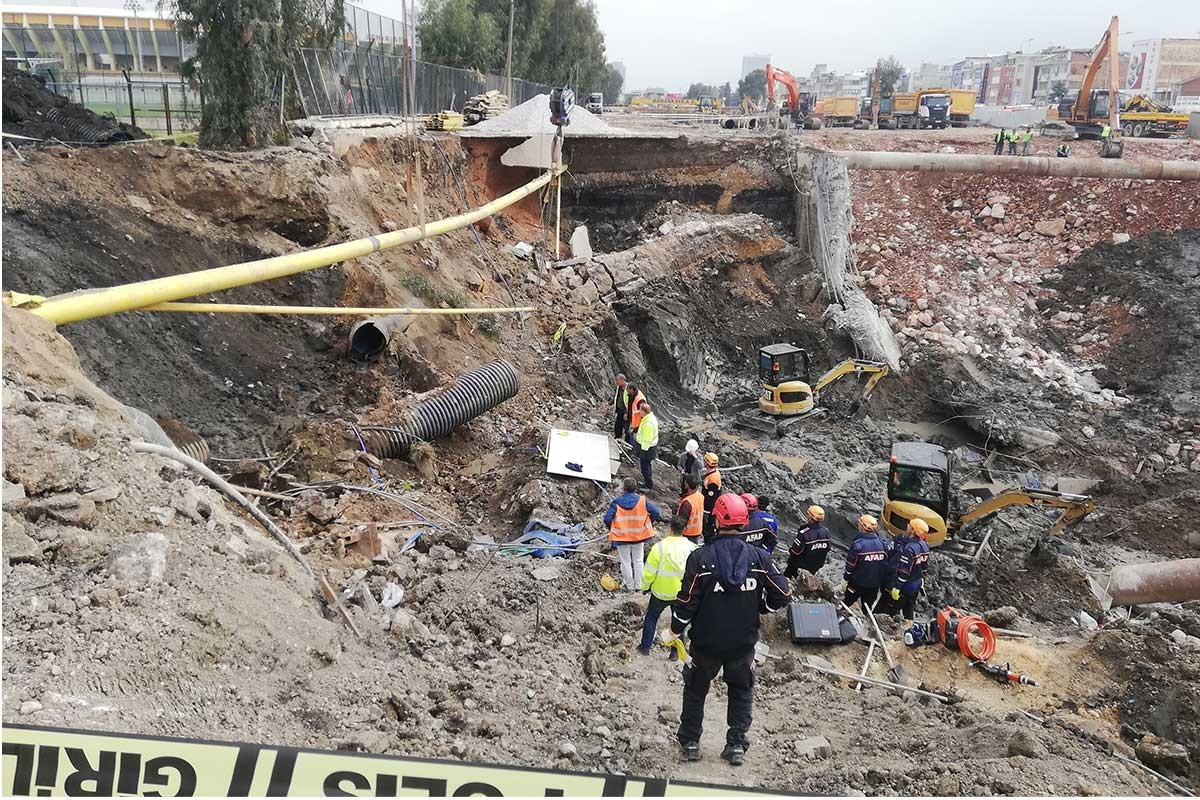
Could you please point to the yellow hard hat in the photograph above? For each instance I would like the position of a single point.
(868, 523)
(919, 527)
(816, 513)
(711, 459)
(608, 583)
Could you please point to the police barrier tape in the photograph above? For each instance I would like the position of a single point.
(56, 762)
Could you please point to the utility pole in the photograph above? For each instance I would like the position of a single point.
(508, 84)
(135, 6)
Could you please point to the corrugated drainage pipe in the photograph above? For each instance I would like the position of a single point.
(480, 390)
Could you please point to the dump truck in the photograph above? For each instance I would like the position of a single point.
(962, 106)
(928, 108)
(841, 112)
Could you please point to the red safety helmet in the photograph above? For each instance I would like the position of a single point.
(730, 511)
(750, 500)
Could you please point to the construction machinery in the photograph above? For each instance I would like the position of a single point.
(918, 487)
(595, 103)
(788, 393)
(927, 108)
(841, 112)
(1091, 110)
(799, 104)
(962, 106)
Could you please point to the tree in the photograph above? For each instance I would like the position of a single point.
(242, 48)
(1058, 90)
(754, 85)
(889, 73)
(613, 85)
(454, 33)
(698, 90)
(727, 93)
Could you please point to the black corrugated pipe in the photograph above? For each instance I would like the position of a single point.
(480, 390)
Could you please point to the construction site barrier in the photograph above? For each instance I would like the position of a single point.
(79, 306)
(57, 762)
(1024, 165)
(479, 390)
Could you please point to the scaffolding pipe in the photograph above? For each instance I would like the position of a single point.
(1031, 165)
(79, 306)
(1175, 581)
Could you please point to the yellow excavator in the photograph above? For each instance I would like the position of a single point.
(918, 487)
(788, 393)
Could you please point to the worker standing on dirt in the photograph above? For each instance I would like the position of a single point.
(710, 486)
(906, 568)
(691, 508)
(811, 545)
(629, 520)
(689, 464)
(620, 407)
(866, 563)
(1026, 140)
(999, 143)
(727, 584)
(762, 529)
(662, 576)
(647, 443)
(1012, 141)
(635, 416)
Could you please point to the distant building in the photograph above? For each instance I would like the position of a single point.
(1069, 66)
(931, 76)
(972, 73)
(1155, 65)
(751, 63)
(1185, 95)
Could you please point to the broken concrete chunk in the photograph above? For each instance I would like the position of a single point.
(581, 247)
(1024, 743)
(814, 747)
(393, 595)
(13, 492)
(140, 560)
(1162, 754)
(163, 515)
(104, 494)
(1120, 238)
(1002, 617)
(19, 546)
(1051, 227)
(521, 250)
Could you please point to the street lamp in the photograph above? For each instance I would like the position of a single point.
(135, 6)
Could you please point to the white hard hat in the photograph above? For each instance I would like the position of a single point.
(692, 445)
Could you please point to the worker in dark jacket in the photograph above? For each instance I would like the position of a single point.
(866, 563)
(762, 529)
(906, 568)
(689, 464)
(620, 409)
(726, 586)
(811, 545)
(999, 137)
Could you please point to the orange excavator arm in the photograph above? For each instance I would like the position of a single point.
(788, 82)
(1107, 44)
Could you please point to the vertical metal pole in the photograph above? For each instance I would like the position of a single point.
(78, 74)
(508, 87)
(129, 88)
(167, 105)
(555, 160)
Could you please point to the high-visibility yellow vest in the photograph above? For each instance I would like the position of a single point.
(631, 524)
(1106, 131)
(621, 400)
(647, 432)
(663, 573)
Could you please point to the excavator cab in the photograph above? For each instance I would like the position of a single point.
(918, 487)
(783, 370)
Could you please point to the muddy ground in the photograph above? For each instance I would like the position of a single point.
(511, 659)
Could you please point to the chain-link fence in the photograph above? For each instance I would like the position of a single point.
(361, 81)
(168, 107)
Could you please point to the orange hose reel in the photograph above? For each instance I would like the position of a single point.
(954, 630)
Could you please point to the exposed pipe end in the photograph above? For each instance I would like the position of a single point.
(369, 337)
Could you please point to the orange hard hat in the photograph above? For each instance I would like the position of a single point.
(868, 523)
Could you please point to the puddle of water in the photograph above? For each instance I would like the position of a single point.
(847, 477)
(795, 463)
(483, 465)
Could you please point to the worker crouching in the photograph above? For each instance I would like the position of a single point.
(630, 519)
(907, 565)
(726, 585)
(662, 577)
(866, 564)
(810, 548)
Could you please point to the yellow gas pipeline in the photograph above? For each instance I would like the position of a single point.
(247, 308)
(130, 297)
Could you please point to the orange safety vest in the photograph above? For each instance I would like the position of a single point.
(695, 523)
(713, 477)
(635, 414)
(631, 524)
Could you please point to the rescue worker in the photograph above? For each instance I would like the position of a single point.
(726, 585)
(866, 564)
(689, 464)
(1011, 136)
(1106, 131)
(762, 529)
(811, 545)
(661, 577)
(910, 559)
(1064, 150)
(620, 408)
(647, 443)
(1026, 140)
(635, 416)
(999, 143)
(710, 486)
(629, 519)
(691, 508)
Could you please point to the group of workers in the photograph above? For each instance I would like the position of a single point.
(634, 422)
(715, 571)
(1012, 137)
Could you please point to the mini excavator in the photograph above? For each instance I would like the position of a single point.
(918, 487)
(788, 393)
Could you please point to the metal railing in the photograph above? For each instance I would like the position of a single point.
(361, 81)
(168, 107)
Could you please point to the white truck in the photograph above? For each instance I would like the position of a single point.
(595, 103)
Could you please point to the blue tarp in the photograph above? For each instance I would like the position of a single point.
(554, 537)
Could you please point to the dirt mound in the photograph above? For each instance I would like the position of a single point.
(30, 109)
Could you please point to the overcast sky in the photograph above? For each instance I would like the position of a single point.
(671, 43)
